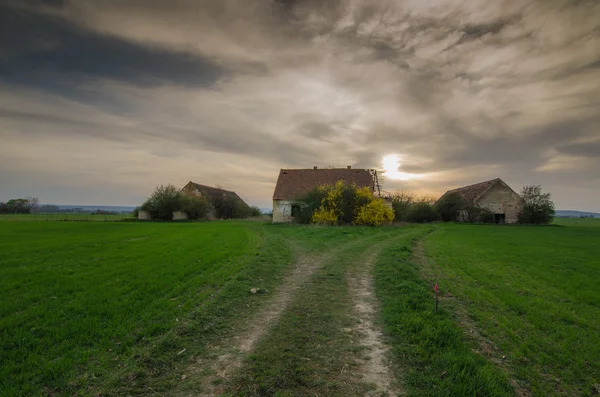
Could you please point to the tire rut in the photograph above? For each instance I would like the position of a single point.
(225, 357)
(375, 369)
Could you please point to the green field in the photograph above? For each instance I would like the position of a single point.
(533, 292)
(128, 308)
(66, 216)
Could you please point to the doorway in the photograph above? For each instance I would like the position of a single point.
(500, 219)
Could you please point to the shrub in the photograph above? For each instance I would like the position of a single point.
(401, 202)
(341, 204)
(195, 207)
(376, 213)
(422, 212)
(475, 213)
(255, 211)
(310, 203)
(538, 207)
(163, 202)
(228, 207)
(325, 216)
(449, 206)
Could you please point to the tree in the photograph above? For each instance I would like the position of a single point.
(15, 206)
(32, 202)
(163, 202)
(449, 206)
(538, 207)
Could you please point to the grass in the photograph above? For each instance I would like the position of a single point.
(66, 216)
(435, 357)
(533, 292)
(310, 351)
(122, 308)
(104, 308)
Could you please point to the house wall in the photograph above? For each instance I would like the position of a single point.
(282, 211)
(502, 200)
(144, 215)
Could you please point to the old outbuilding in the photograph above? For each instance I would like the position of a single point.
(294, 184)
(494, 195)
(226, 203)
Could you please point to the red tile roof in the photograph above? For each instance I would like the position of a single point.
(293, 184)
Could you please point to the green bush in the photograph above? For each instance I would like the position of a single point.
(228, 207)
(401, 203)
(422, 212)
(195, 207)
(476, 214)
(449, 206)
(309, 204)
(255, 211)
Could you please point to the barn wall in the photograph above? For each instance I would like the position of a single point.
(502, 200)
(178, 216)
(282, 211)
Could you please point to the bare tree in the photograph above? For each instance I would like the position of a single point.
(32, 202)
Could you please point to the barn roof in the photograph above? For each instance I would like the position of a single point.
(293, 184)
(209, 192)
(470, 194)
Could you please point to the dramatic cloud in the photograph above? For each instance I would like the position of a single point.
(101, 101)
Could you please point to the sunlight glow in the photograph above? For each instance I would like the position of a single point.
(391, 163)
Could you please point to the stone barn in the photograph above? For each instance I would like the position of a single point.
(292, 185)
(213, 194)
(494, 195)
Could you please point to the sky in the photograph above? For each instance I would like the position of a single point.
(100, 101)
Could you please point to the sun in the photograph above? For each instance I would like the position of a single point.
(391, 163)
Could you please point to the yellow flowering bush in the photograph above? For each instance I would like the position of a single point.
(324, 216)
(376, 213)
(343, 204)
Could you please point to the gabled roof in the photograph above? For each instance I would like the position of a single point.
(470, 194)
(209, 192)
(293, 184)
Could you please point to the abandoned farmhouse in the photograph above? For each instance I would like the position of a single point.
(293, 185)
(494, 195)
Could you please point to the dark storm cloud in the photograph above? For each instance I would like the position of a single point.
(49, 52)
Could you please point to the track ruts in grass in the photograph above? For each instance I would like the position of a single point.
(374, 366)
(310, 351)
(215, 369)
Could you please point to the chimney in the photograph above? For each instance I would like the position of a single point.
(349, 167)
(315, 167)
